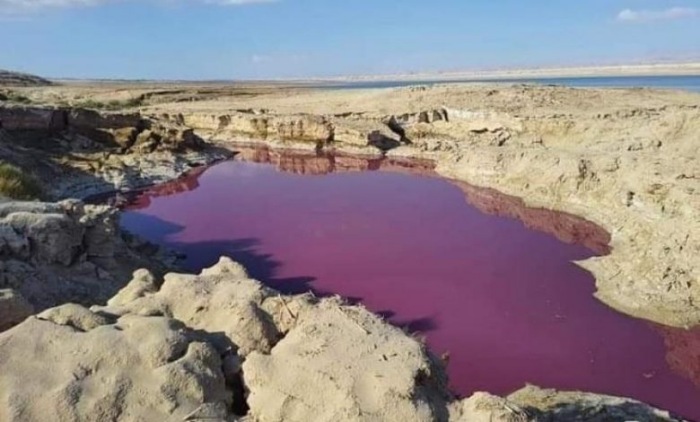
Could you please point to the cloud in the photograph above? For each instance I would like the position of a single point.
(643, 16)
(29, 6)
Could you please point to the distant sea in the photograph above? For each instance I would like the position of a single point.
(686, 83)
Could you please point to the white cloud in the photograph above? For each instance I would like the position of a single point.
(28, 6)
(642, 16)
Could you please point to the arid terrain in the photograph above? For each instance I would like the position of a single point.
(649, 69)
(220, 346)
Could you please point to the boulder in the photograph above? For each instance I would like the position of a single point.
(56, 253)
(558, 406)
(484, 407)
(53, 238)
(138, 369)
(222, 299)
(342, 363)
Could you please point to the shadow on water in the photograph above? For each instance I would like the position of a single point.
(200, 255)
(260, 266)
(417, 325)
(680, 351)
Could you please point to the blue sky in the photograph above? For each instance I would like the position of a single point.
(223, 39)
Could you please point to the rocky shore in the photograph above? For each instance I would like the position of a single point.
(623, 159)
(220, 346)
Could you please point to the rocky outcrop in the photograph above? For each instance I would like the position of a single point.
(135, 368)
(220, 346)
(303, 358)
(232, 304)
(305, 128)
(343, 363)
(551, 405)
(54, 253)
(81, 153)
(103, 130)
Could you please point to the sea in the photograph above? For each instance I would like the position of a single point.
(675, 82)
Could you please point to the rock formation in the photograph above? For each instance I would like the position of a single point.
(55, 253)
(80, 152)
(220, 346)
(208, 347)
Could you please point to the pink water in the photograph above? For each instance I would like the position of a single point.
(503, 299)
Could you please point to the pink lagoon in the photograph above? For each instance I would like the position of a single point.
(491, 284)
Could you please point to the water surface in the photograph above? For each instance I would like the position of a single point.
(486, 280)
(685, 83)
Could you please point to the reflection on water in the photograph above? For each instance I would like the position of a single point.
(683, 351)
(487, 279)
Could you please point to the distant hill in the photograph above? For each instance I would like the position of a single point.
(8, 78)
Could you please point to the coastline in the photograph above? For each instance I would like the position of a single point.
(680, 69)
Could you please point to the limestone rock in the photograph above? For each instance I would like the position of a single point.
(74, 316)
(359, 131)
(54, 238)
(189, 350)
(56, 253)
(303, 359)
(80, 119)
(304, 128)
(140, 369)
(483, 407)
(13, 308)
(308, 128)
(557, 406)
(221, 299)
(341, 363)
(142, 284)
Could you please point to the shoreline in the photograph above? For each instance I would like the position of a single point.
(584, 152)
(658, 70)
(689, 69)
